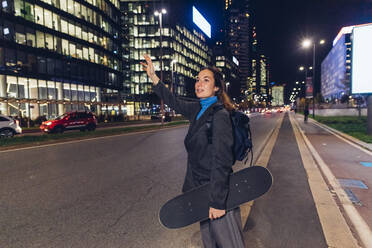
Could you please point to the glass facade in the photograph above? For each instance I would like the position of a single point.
(58, 55)
(335, 70)
(185, 47)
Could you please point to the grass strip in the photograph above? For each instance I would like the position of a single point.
(351, 125)
(67, 136)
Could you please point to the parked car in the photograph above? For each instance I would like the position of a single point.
(166, 117)
(70, 121)
(9, 127)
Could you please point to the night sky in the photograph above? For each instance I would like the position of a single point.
(283, 24)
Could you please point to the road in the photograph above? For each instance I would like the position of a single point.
(103, 192)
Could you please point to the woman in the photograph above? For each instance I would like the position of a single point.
(207, 162)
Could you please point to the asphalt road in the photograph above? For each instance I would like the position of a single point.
(103, 192)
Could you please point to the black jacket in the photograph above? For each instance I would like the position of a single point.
(205, 162)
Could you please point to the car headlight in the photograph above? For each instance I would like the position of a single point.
(48, 123)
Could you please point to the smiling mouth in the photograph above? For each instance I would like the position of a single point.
(199, 91)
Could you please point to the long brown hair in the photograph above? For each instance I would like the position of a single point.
(221, 93)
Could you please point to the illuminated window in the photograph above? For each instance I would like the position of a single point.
(77, 9)
(42, 89)
(56, 22)
(71, 29)
(49, 41)
(85, 53)
(18, 7)
(11, 86)
(48, 18)
(63, 4)
(40, 41)
(83, 12)
(91, 54)
(64, 26)
(65, 48)
(39, 15)
(72, 48)
(70, 8)
(78, 31)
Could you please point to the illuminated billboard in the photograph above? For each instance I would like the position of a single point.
(361, 73)
(201, 22)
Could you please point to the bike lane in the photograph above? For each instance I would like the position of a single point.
(286, 216)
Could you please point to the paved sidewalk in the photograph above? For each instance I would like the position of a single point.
(286, 216)
(345, 160)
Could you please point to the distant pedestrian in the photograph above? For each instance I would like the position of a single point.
(207, 162)
(306, 113)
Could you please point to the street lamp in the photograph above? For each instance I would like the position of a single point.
(160, 14)
(307, 44)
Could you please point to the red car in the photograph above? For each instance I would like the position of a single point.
(70, 121)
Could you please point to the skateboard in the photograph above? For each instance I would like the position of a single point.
(190, 207)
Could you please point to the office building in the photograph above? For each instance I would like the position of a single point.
(184, 50)
(58, 55)
(237, 32)
(336, 67)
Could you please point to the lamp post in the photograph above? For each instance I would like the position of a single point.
(160, 14)
(306, 44)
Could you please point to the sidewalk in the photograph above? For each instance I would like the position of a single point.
(349, 166)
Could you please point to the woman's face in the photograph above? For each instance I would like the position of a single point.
(204, 85)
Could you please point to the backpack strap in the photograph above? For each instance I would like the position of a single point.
(210, 122)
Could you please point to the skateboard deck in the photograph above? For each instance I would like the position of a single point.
(192, 206)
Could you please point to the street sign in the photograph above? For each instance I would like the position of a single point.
(309, 87)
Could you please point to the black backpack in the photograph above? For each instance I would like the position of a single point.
(242, 134)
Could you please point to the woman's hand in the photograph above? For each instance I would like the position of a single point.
(216, 213)
(148, 67)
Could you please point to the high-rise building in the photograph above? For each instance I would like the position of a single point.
(184, 50)
(264, 76)
(58, 55)
(237, 31)
(252, 79)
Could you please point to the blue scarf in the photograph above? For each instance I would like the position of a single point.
(205, 103)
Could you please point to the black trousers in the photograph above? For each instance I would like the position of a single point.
(225, 232)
